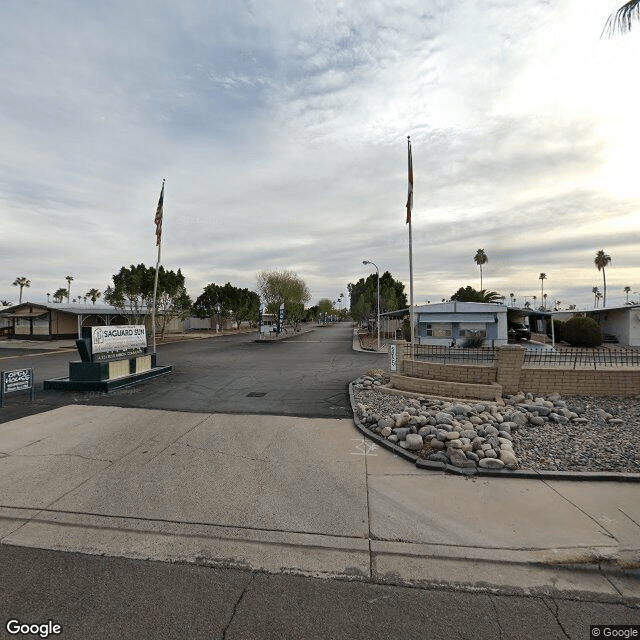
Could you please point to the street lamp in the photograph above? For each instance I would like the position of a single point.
(378, 282)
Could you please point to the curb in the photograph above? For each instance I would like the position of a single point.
(431, 465)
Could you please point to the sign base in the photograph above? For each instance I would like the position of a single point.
(109, 375)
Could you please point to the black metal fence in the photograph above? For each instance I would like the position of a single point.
(570, 358)
(453, 355)
(582, 358)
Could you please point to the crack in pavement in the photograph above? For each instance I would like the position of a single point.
(497, 616)
(548, 602)
(225, 635)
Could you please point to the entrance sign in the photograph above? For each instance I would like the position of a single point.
(120, 341)
(16, 380)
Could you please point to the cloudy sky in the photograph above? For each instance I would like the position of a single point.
(281, 126)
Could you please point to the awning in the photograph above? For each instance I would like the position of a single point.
(483, 318)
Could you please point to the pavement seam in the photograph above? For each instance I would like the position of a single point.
(628, 516)
(237, 604)
(582, 511)
(176, 522)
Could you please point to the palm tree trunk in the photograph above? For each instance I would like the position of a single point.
(480, 277)
(604, 278)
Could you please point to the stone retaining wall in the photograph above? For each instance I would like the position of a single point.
(509, 376)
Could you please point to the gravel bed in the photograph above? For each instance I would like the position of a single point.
(552, 433)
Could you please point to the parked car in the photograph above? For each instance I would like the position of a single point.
(518, 331)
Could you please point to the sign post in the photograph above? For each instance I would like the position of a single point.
(17, 380)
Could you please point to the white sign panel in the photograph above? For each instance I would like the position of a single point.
(123, 339)
(393, 357)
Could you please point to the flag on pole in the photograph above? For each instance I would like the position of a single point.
(410, 195)
(158, 218)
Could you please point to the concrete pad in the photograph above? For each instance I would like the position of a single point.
(37, 481)
(13, 519)
(272, 472)
(382, 462)
(615, 506)
(491, 513)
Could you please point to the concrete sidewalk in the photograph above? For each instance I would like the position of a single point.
(301, 495)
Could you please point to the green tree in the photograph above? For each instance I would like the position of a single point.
(132, 294)
(363, 295)
(480, 258)
(469, 294)
(229, 302)
(601, 261)
(284, 286)
(21, 282)
(542, 277)
(92, 294)
(60, 295)
(68, 279)
(325, 305)
(622, 20)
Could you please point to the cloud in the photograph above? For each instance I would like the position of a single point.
(281, 129)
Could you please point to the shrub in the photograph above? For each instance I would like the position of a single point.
(473, 343)
(558, 330)
(582, 332)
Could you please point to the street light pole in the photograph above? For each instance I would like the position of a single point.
(378, 282)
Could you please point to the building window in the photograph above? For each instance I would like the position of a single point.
(439, 330)
(472, 330)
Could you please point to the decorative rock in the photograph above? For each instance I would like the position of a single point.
(458, 459)
(504, 435)
(393, 438)
(387, 423)
(401, 433)
(414, 442)
(461, 409)
(437, 445)
(536, 420)
(491, 430)
(402, 419)
(455, 444)
(386, 431)
(468, 433)
(442, 417)
(508, 457)
(491, 463)
(438, 457)
(452, 435)
(490, 453)
(472, 456)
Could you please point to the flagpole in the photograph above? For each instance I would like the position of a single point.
(409, 208)
(158, 221)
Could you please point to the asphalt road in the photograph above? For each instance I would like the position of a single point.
(305, 375)
(117, 598)
(102, 597)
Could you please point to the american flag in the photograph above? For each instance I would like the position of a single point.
(158, 218)
(410, 195)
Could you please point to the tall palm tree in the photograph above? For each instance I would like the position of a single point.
(511, 296)
(68, 279)
(595, 295)
(480, 258)
(60, 295)
(48, 297)
(601, 261)
(21, 282)
(627, 290)
(94, 294)
(623, 18)
(542, 277)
